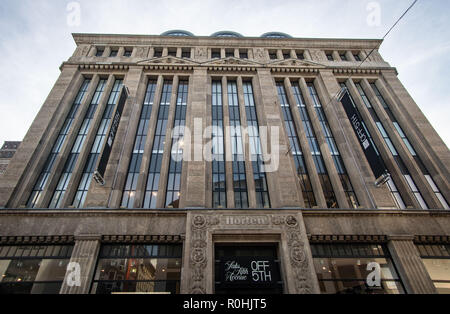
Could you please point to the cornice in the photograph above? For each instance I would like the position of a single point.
(322, 43)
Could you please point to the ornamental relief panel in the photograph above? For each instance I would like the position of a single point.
(289, 226)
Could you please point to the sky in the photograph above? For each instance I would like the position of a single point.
(35, 38)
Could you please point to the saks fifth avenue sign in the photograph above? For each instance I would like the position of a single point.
(249, 271)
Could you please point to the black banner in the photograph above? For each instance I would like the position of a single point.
(99, 174)
(375, 162)
(248, 272)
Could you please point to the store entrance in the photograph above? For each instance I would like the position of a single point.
(248, 269)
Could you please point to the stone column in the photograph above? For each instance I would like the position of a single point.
(85, 253)
(196, 169)
(24, 169)
(411, 269)
(310, 165)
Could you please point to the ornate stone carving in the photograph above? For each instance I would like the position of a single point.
(200, 52)
(141, 52)
(316, 55)
(198, 259)
(259, 53)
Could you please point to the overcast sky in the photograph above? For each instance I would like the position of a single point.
(35, 38)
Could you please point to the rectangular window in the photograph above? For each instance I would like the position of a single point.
(48, 166)
(237, 148)
(243, 54)
(97, 146)
(186, 53)
(219, 188)
(300, 55)
(158, 53)
(114, 52)
(63, 182)
(143, 268)
(357, 57)
(335, 154)
(127, 53)
(215, 54)
(129, 192)
(154, 171)
(348, 269)
(343, 57)
(295, 149)
(259, 172)
(273, 55)
(33, 269)
(329, 56)
(229, 53)
(176, 160)
(172, 52)
(437, 262)
(286, 55)
(99, 52)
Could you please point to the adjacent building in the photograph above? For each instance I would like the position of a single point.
(226, 164)
(6, 154)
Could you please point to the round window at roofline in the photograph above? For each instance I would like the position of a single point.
(227, 34)
(275, 35)
(178, 32)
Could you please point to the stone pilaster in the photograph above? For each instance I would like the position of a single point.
(85, 254)
(411, 269)
(196, 169)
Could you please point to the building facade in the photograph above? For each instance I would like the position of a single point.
(6, 154)
(230, 166)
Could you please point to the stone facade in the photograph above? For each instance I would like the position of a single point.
(6, 154)
(195, 224)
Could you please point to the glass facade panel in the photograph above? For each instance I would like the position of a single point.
(436, 259)
(152, 188)
(219, 188)
(61, 188)
(138, 269)
(237, 148)
(176, 160)
(49, 163)
(33, 269)
(295, 148)
(259, 173)
(343, 269)
(97, 146)
(129, 192)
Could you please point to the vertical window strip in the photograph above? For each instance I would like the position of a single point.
(176, 164)
(335, 154)
(66, 175)
(219, 187)
(154, 172)
(48, 166)
(302, 172)
(89, 168)
(129, 192)
(393, 150)
(391, 184)
(237, 148)
(259, 173)
(410, 147)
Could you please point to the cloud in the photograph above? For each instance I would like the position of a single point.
(35, 39)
